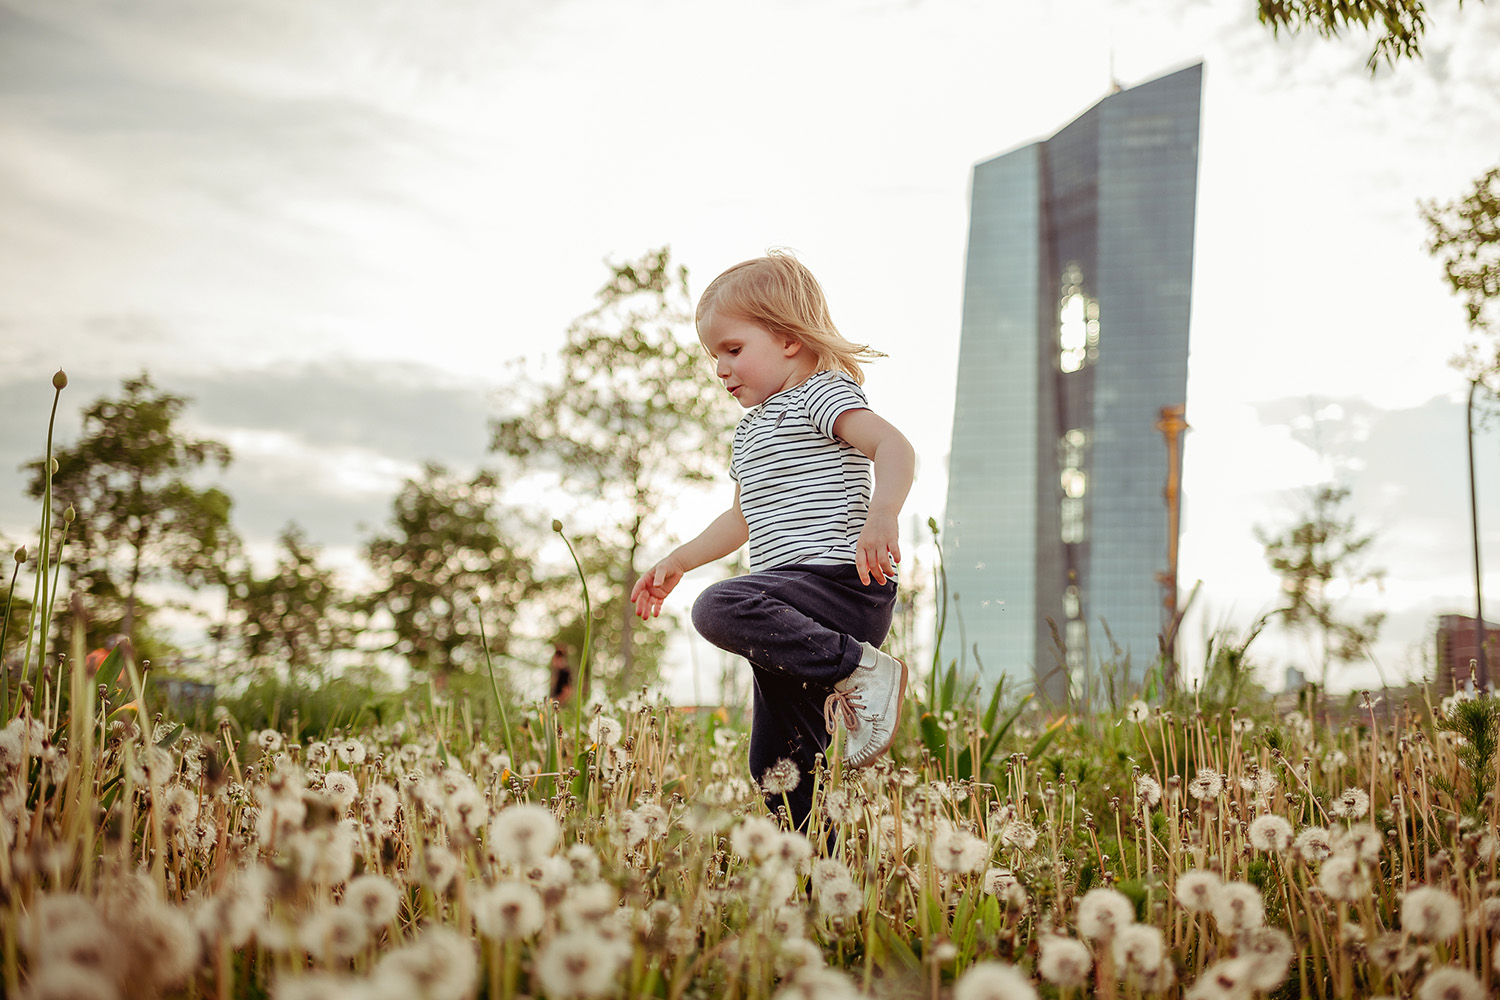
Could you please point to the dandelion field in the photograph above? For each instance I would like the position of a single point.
(1209, 846)
(619, 850)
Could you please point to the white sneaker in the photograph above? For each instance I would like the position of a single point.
(869, 703)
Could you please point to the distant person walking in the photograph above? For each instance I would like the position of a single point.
(824, 541)
(561, 688)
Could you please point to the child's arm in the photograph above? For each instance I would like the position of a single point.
(724, 535)
(879, 546)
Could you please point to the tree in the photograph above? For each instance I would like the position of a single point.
(1465, 235)
(632, 420)
(297, 615)
(1402, 21)
(448, 562)
(1320, 560)
(139, 516)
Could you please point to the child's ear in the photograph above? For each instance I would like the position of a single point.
(790, 346)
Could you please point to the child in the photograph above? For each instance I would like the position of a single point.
(816, 605)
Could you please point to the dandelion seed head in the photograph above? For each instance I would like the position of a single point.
(1206, 785)
(1064, 961)
(12, 755)
(374, 898)
(1137, 711)
(840, 897)
(1102, 913)
(574, 965)
(1238, 907)
(1226, 979)
(790, 850)
(341, 789)
(590, 903)
(994, 981)
(839, 805)
(523, 834)
(1431, 913)
(508, 911)
(959, 852)
(1271, 833)
(1342, 878)
(1361, 840)
(1139, 950)
(350, 751)
(818, 983)
(584, 862)
(1313, 844)
(334, 934)
(318, 754)
(1196, 890)
(63, 981)
(605, 731)
(1333, 762)
(1352, 803)
(796, 952)
(1270, 952)
(1018, 834)
(466, 811)
(780, 778)
(1450, 983)
(1148, 790)
(83, 945)
(754, 838)
(439, 963)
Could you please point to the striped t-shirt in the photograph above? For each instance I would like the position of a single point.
(805, 494)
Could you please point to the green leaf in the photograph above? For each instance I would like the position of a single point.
(165, 743)
(988, 723)
(933, 738)
(950, 683)
(896, 948)
(109, 670)
(992, 743)
(1043, 740)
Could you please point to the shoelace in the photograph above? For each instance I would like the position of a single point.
(844, 702)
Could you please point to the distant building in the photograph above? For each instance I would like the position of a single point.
(1458, 648)
(1075, 339)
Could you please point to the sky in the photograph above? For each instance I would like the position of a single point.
(344, 228)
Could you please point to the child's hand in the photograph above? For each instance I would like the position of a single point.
(651, 590)
(878, 549)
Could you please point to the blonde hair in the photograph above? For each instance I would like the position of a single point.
(778, 292)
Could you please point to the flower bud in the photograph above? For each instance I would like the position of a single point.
(60, 380)
(557, 525)
(70, 514)
(20, 554)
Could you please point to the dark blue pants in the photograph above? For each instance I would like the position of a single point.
(801, 628)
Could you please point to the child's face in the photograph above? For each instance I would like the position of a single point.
(753, 363)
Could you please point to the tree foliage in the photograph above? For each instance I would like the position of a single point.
(631, 420)
(1465, 236)
(1320, 559)
(1402, 23)
(140, 517)
(445, 562)
(295, 617)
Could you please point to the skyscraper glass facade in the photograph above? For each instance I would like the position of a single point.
(1075, 339)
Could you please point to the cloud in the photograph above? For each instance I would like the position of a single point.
(326, 445)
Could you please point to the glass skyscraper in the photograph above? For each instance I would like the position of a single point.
(1071, 378)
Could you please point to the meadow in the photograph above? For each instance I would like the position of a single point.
(1212, 843)
(618, 849)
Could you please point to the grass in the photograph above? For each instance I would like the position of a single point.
(635, 859)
